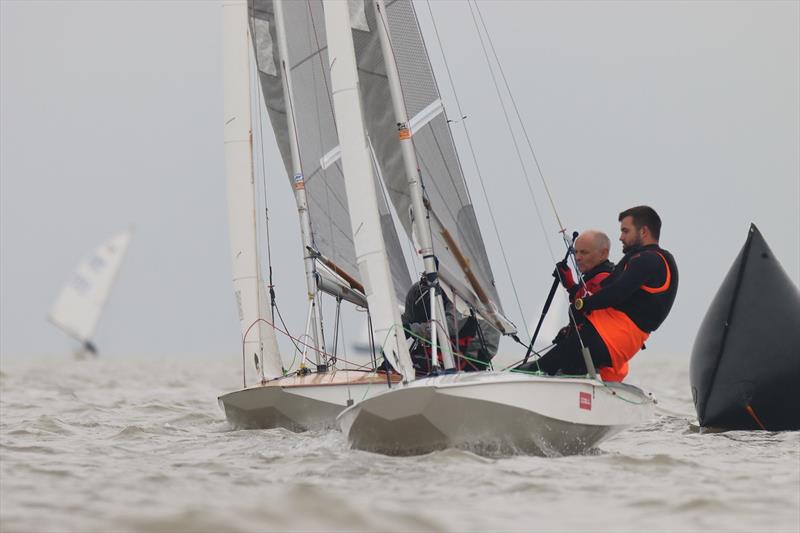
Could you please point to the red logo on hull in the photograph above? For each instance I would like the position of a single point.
(585, 401)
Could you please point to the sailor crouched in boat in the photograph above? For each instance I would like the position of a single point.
(591, 256)
(635, 299)
(474, 340)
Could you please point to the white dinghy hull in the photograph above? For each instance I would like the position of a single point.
(495, 413)
(301, 403)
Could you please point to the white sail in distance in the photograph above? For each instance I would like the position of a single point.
(80, 303)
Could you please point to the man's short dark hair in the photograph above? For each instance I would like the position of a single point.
(644, 215)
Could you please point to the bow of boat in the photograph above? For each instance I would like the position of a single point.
(299, 403)
(495, 412)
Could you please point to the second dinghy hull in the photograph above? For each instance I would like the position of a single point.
(493, 413)
(300, 403)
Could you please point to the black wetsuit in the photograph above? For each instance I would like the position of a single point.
(633, 287)
(566, 356)
(477, 355)
(641, 286)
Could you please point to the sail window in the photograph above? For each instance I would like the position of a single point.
(358, 17)
(264, 48)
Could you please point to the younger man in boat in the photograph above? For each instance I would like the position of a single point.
(634, 301)
(471, 337)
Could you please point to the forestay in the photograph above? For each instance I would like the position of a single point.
(77, 309)
(316, 131)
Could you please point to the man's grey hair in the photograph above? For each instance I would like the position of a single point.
(601, 240)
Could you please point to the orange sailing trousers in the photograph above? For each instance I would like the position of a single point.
(622, 338)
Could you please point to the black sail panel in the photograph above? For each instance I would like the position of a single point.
(745, 363)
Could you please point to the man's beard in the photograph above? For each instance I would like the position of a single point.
(636, 244)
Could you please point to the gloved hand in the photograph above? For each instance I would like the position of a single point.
(564, 273)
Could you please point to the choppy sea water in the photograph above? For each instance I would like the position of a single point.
(141, 445)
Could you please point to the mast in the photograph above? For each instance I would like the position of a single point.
(257, 338)
(360, 189)
(422, 226)
(298, 181)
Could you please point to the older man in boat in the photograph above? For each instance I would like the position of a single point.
(634, 301)
(591, 256)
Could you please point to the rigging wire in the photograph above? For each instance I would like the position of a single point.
(263, 165)
(273, 303)
(562, 229)
(477, 169)
(508, 123)
(522, 125)
(258, 99)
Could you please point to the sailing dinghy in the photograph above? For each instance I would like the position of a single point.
(80, 304)
(745, 362)
(483, 411)
(291, 70)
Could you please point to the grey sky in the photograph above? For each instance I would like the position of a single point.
(112, 116)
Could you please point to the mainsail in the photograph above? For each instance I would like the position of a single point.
(316, 131)
(457, 241)
(78, 307)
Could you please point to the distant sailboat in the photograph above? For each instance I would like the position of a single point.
(80, 303)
